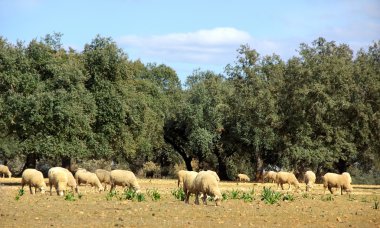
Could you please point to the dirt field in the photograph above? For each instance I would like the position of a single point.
(94, 210)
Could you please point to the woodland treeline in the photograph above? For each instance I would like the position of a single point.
(319, 110)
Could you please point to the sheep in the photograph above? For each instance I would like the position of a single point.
(4, 170)
(33, 178)
(334, 180)
(285, 177)
(207, 184)
(348, 176)
(70, 180)
(181, 174)
(271, 176)
(309, 180)
(124, 178)
(104, 176)
(59, 179)
(85, 177)
(243, 177)
(188, 180)
(214, 174)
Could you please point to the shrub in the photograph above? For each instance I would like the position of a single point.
(376, 204)
(234, 194)
(110, 195)
(247, 197)
(327, 198)
(70, 196)
(269, 196)
(288, 197)
(20, 193)
(154, 194)
(151, 169)
(179, 194)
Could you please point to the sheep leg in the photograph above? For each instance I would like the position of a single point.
(282, 186)
(51, 186)
(197, 198)
(331, 190)
(30, 189)
(204, 198)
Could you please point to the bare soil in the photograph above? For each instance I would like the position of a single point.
(93, 209)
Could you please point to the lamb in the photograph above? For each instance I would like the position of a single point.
(4, 170)
(181, 174)
(206, 184)
(348, 176)
(33, 178)
(334, 180)
(270, 175)
(286, 177)
(309, 180)
(188, 184)
(243, 177)
(104, 176)
(69, 180)
(85, 177)
(124, 178)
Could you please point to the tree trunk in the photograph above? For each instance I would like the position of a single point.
(342, 166)
(66, 163)
(30, 163)
(259, 167)
(222, 168)
(181, 152)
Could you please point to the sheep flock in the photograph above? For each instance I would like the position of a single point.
(202, 184)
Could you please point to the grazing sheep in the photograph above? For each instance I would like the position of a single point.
(288, 178)
(348, 176)
(104, 176)
(206, 184)
(124, 178)
(334, 180)
(33, 178)
(70, 180)
(309, 180)
(214, 174)
(181, 174)
(59, 179)
(85, 177)
(188, 184)
(243, 177)
(4, 170)
(271, 176)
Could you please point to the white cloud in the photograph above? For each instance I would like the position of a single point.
(203, 46)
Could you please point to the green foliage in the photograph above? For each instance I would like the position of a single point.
(288, 197)
(140, 197)
(70, 196)
(270, 196)
(247, 196)
(376, 204)
(234, 194)
(128, 194)
(110, 195)
(98, 104)
(329, 197)
(154, 194)
(179, 194)
(225, 196)
(20, 193)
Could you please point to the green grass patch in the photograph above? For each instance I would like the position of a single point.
(153, 194)
(179, 194)
(270, 196)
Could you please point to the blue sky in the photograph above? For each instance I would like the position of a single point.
(187, 35)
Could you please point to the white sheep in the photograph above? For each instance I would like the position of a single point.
(33, 178)
(4, 170)
(243, 177)
(188, 184)
(214, 174)
(286, 178)
(104, 177)
(348, 176)
(334, 180)
(271, 176)
(70, 180)
(58, 178)
(124, 178)
(309, 180)
(181, 175)
(85, 177)
(206, 184)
